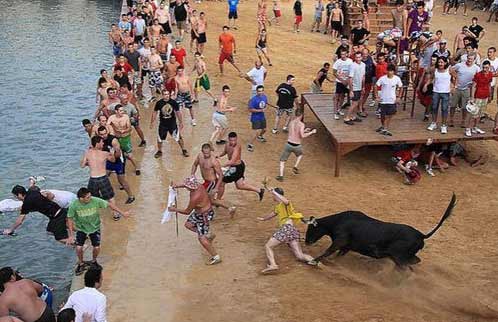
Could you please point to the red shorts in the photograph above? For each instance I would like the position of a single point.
(225, 56)
(299, 19)
(170, 85)
(420, 73)
(277, 13)
(209, 185)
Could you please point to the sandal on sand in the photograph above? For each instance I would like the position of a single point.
(216, 259)
(80, 269)
(269, 269)
(211, 237)
(295, 170)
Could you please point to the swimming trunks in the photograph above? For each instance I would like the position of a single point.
(81, 238)
(118, 167)
(291, 148)
(202, 38)
(47, 295)
(209, 185)
(125, 143)
(234, 173)
(101, 187)
(57, 225)
(203, 82)
(47, 315)
(155, 79)
(201, 221)
(184, 99)
(286, 234)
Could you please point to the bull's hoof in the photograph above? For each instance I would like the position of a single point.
(414, 260)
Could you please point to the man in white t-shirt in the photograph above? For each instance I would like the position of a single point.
(341, 72)
(356, 84)
(256, 76)
(390, 90)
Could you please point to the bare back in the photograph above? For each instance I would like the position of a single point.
(199, 200)
(296, 128)
(96, 161)
(207, 166)
(22, 298)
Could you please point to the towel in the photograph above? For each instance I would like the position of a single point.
(171, 202)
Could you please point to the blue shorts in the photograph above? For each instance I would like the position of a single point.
(118, 167)
(116, 50)
(47, 295)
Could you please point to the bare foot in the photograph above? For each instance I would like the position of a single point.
(211, 237)
(232, 211)
(269, 269)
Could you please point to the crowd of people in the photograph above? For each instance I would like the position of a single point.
(153, 68)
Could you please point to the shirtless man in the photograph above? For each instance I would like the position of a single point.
(236, 168)
(211, 173)
(21, 297)
(220, 121)
(200, 212)
(194, 33)
(155, 31)
(170, 73)
(201, 31)
(297, 132)
(116, 40)
(102, 121)
(87, 125)
(162, 15)
(336, 22)
(184, 91)
(121, 129)
(155, 77)
(164, 48)
(202, 80)
(107, 105)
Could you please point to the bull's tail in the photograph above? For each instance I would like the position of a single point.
(445, 216)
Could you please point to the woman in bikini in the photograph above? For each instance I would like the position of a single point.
(262, 46)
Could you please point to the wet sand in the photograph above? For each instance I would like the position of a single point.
(153, 275)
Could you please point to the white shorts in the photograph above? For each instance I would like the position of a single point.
(220, 120)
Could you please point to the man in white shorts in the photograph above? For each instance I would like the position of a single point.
(220, 121)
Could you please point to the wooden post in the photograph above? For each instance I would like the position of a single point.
(338, 159)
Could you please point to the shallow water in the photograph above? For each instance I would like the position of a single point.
(51, 53)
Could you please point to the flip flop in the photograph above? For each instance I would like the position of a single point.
(270, 270)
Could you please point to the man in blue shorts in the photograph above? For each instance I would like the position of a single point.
(257, 107)
(232, 13)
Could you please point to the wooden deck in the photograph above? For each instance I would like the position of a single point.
(405, 129)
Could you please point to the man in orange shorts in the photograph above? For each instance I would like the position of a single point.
(227, 49)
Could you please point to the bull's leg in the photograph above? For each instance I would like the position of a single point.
(332, 249)
(343, 251)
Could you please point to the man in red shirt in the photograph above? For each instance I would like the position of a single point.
(123, 63)
(180, 53)
(227, 49)
(482, 85)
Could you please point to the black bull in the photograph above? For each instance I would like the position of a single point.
(355, 231)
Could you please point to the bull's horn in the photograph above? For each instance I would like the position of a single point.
(313, 221)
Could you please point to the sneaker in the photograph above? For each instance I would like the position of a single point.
(274, 131)
(261, 139)
(444, 129)
(479, 131)
(215, 102)
(142, 144)
(151, 99)
(193, 122)
(216, 259)
(261, 193)
(285, 129)
(80, 268)
(386, 132)
(337, 116)
(432, 126)
(129, 200)
(380, 129)
(372, 104)
(295, 170)
(357, 120)
(158, 154)
(138, 172)
(468, 132)
(185, 153)
(220, 142)
(279, 178)
(426, 118)
(341, 113)
(429, 170)
(116, 216)
(349, 122)
(250, 147)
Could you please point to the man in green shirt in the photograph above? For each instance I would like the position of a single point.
(84, 218)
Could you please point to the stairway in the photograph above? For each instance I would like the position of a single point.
(379, 16)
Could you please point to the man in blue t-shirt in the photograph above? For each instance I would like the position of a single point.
(232, 13)
(257, 107)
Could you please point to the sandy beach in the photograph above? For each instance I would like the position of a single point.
(151, 274)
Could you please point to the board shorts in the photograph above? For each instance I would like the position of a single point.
(155, 79)
(298, 20)
(118, 167)
(170, 85)
(181, 24)
(209, 185)
(340, 88)
(289, 148)
(336, 25)
(116, 50)
(277, 13)
(225, 56)
(81, 238)
(166, 28)
(233, 14)
(481, 103)
(314, 88)
(201, 221)
(202, 39)
(234, 173)
(318, 19)
(387, 109)
(47, 315)
(286, 234)
(193, 36)
(47, 295)
(162, 132)
(57, 225)
(356, 96)
(125, 143)
(184, 99)
(258, 124)
(460, 97)
(203, 82)
(101, 187)
(282, 111)
(220, 120)
(145, 72)
(134, 122)
(164, 57)
(493, 8)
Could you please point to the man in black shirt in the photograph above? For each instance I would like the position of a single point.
(359, 35)
(343, 46)
(298, 12)
(168, 110)
(477, 31)
(287, 98)
(33, 201)
(181, 17)
(121, 78)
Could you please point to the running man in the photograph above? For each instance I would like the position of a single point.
(257, 108)
(287, 99)
(321, 76)
(232, 13)
(236, 168)
(184, 92)
(262, 46)
(297, 132)
(228, 48)
(202, 79)
(168, 111)
(212, 174)
(83, 220)
(200, 212)
(21, 298)
(287, 232)
(220, 121)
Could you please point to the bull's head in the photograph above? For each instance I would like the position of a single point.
(314, 231)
